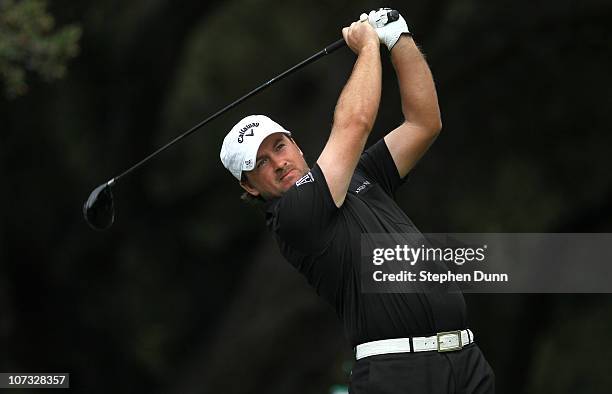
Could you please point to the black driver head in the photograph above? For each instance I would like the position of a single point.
(99, 209)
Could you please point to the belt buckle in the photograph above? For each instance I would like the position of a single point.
(443, 347)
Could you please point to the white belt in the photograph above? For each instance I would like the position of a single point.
(441, 342)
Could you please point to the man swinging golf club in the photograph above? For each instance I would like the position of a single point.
(317, 215)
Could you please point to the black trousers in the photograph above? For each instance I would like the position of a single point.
(461, 372)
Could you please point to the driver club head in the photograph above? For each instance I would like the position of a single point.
(99, 209)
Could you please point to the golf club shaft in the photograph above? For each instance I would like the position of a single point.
(325, 51)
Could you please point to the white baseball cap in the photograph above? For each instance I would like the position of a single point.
(240, 145)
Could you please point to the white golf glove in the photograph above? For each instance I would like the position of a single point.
(388, 33)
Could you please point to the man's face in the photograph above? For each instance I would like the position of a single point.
(279, 164)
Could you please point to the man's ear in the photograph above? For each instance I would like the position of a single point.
(246, 185)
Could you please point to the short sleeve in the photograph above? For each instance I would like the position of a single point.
(306, 214)
(376, 163)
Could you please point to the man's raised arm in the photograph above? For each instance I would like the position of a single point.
(355, 111)
(422, 123)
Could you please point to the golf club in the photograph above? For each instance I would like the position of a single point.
(99, 209)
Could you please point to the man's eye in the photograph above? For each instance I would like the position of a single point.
(280, 146)
(260, 163)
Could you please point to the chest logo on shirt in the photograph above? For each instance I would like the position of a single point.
(362, 187)
(305, 179)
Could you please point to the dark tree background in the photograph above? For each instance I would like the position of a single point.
(187, 292)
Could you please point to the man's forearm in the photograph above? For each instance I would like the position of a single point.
(355, 113)
(360, 97)
(417, 89)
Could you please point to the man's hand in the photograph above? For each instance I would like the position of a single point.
(388, 32)
(360, 35)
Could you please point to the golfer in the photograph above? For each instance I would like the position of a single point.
(404, 342)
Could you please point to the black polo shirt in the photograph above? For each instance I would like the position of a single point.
(323, 242)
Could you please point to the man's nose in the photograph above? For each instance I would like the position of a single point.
(279, 163)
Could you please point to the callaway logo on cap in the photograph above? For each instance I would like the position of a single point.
(240, 145)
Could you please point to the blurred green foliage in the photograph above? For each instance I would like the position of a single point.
(29, 42)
